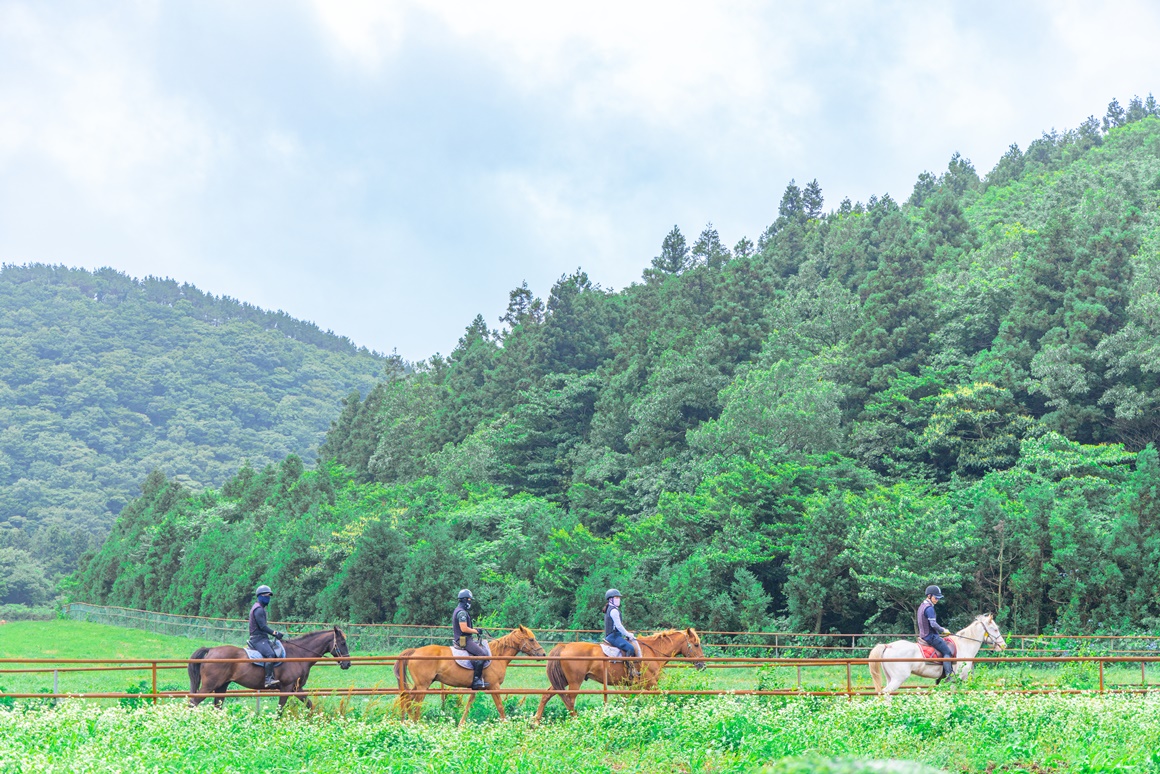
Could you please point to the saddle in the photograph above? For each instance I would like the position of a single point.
(279, 651)
(615, 653)
(930, 653)
(463, 658)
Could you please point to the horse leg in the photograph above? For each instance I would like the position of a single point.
(466, 709)
(898, 675)
(570, 698)
(544, 697)
(498, 705)
(220, 699)
(418, 693)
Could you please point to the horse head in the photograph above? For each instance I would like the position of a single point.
(339, 649)
(526, 642)
(991, 631)
(691, 648)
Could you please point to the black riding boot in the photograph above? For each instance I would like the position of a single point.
(271, 681)
(477, 683)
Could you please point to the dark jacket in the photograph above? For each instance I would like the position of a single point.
(260, 630)
(461, 616)
(927, 622)
(613, 622)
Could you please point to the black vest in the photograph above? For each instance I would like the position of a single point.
(458, 638)
(924, 629)
(609, 626)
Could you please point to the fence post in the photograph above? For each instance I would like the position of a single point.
(55, 681)
(154, 682)
(776, 651)
(849, 683)
(1101, 675)
(1143, 674)
(799, 671)
(605, 673)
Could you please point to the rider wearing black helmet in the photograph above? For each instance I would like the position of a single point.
(929, 628)
(260, 633)
(614, 632)
(461, 627)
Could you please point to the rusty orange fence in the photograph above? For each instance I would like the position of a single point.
(385, 636)
(850, 690)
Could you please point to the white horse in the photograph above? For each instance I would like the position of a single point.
(968, 642)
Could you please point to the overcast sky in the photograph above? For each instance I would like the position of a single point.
(390, 169)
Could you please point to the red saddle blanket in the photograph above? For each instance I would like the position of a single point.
(931, 653)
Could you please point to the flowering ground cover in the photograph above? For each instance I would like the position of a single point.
(956, 731)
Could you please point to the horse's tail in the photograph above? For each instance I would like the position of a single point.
(555, 671)
(401, 669)
(195, 670)
(876, 656)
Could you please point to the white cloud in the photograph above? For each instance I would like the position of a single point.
(76, 98)
(339, 157)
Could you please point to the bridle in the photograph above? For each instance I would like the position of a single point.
(331, 650)
(987, 636)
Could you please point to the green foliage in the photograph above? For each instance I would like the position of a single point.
(104, 378)
(960, 389)
(914, 735)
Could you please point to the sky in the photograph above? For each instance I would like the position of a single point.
(388, 170)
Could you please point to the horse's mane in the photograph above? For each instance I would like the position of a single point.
(508, 640)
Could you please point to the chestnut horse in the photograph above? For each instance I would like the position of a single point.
(591, 664)
(216, 677)
(445, 670)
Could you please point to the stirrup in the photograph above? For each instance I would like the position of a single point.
(272, 683)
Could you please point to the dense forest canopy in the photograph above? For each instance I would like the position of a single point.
(802, 432)
(104, 378)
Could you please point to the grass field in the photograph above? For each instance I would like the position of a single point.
(957, 729)
(72, 639)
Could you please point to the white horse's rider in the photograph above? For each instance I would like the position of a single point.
(929, 629)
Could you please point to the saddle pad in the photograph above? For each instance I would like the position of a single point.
(930, 653)
(614, 652)
(279, 651)
(463, 658)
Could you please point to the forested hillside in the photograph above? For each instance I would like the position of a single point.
(959, 388)
(104, 378)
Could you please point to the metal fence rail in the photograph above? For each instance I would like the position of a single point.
(388, 636)
(153, 667)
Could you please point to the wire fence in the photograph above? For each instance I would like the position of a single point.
(385, 637)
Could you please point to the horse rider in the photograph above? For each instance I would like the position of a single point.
(614, 632)
(461, 627)
(929, 629)
(260, 633)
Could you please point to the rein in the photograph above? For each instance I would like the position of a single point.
(321, 653)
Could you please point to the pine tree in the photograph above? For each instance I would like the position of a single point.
(1114, 118)
(791, 207)
(709, 250)
(812, 200)
(674, 257)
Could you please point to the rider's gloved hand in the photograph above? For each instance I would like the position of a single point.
(279, 635)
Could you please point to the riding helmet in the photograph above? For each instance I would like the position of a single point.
(465, 594)
(934, 591)
(612, 593)
(263, 589)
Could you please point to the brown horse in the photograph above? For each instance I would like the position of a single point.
(591, 664)
(216, 678)
(445, 670)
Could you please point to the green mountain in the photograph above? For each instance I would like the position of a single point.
(959, 388)
(104, 378)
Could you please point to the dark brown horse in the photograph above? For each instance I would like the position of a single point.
(444, 670)
(215, 678)
(590, 663)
